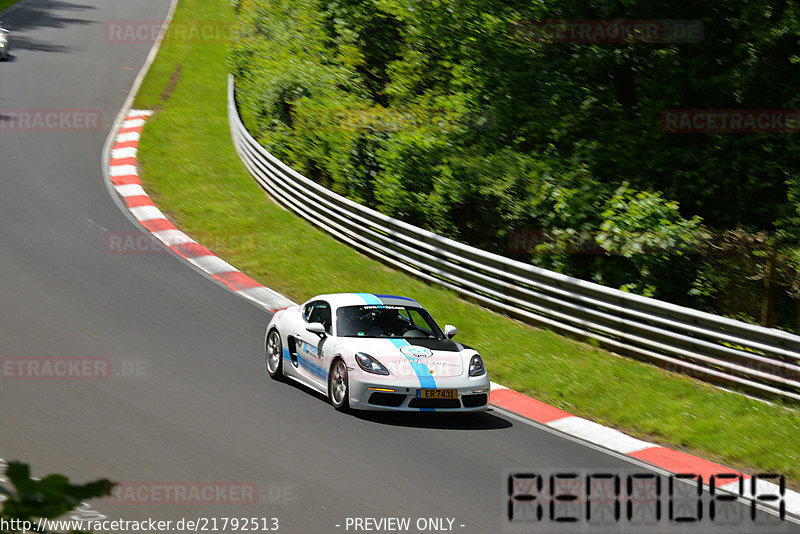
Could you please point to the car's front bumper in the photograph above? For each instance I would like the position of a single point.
(375, 392)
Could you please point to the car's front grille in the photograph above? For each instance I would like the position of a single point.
(472, 401)
(434, 403)
(386, 399)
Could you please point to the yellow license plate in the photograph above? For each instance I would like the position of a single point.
(437, 393)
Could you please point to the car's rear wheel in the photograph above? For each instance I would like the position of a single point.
(338, 386)
(274, 355)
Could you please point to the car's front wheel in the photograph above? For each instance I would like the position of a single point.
(338, 386)
(274, 355)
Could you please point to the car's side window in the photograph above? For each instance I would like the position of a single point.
(318, 312)
(419, 322)
(307, 311)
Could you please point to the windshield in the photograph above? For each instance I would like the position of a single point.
(386, 321)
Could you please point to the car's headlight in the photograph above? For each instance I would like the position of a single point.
(476, 367)
(370, 364)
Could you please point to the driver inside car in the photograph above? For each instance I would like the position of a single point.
(387, 323)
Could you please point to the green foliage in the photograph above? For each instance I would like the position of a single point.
(443, 114)
(29, 499)
(750, 276)
(649, 231)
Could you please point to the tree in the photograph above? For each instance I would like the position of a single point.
(30, 499)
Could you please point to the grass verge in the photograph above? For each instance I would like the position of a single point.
(191, 170)
(7, 3)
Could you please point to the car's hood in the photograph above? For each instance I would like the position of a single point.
(413, 357)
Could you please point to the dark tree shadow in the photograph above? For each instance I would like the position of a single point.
(440, 421)
(44, 14)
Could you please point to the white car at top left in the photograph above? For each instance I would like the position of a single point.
(4, 38)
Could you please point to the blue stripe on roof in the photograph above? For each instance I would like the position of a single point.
(394, 297)
(369, 298)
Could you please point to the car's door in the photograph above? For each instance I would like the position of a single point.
(310, 345)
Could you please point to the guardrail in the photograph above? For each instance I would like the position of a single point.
(716, 349)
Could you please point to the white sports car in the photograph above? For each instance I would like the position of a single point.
(4, 33)
(375, 352)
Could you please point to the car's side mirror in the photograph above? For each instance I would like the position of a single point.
(450, 331)
(316, 328)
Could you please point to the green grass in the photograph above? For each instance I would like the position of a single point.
(7, 3)
(190, 168)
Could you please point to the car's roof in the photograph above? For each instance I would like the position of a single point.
(359, 299)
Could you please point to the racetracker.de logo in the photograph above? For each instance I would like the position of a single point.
(186, 31)
(730, 120)
(606, 31)
(142, 243)
(132, 243)
(55, 368)
(555, 242)
(50, 120)
(319, 119)
(180, 493)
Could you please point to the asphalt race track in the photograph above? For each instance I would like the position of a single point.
(188, 400)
